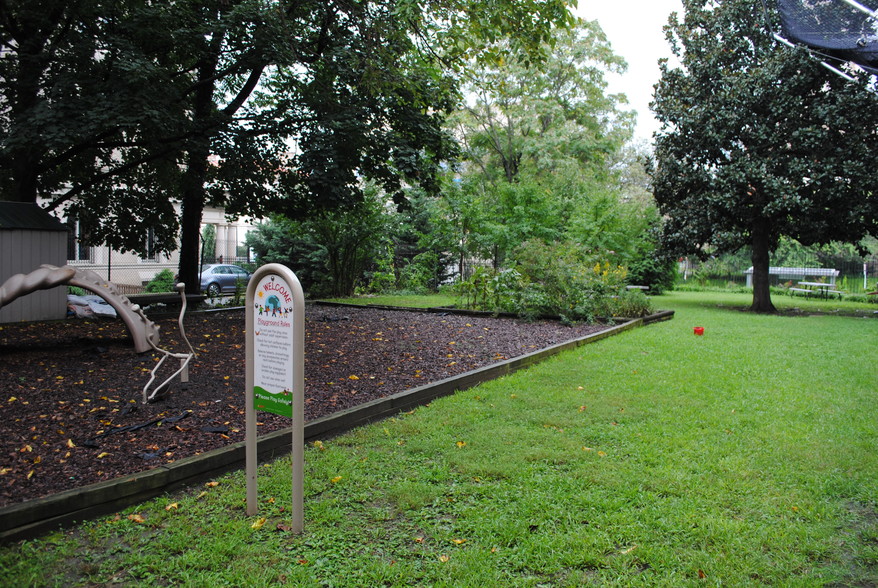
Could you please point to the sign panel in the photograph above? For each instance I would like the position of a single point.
(275, 368)
(273, 346)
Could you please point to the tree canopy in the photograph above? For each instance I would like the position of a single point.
(538, 147)
(758, 142)
(119, 109)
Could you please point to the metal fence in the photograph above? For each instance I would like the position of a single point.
(131, 272)
(855, 275)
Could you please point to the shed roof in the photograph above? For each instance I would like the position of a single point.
(27, 216)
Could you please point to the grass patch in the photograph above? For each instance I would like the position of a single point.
(404, 300)
(745, 456)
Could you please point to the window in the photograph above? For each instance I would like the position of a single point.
(76, 249)
(151, 252)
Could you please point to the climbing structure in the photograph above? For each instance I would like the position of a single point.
(144, 332)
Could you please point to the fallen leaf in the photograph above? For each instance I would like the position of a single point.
(336, 480)
(444, 558)
(458, 541)
(103, 454)
(136, 518)
(258, 524)
(461, 444)
(212, 484)
(172, 506)
(701, 574)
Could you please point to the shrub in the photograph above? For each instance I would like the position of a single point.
(628, 304)
(547, 280)
(162, 282)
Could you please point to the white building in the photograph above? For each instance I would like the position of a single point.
(131, 271)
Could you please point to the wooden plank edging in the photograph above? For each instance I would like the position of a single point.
(35, 517)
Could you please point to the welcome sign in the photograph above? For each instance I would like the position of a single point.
(275, 368)
(273, 346)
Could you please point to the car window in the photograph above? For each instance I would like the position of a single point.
(238, 271)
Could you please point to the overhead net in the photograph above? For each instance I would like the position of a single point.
(845, 30)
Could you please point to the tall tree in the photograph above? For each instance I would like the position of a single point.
(757, 142)
(166, 96)
(538, 139)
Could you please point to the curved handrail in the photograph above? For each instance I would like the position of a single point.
(144, 332)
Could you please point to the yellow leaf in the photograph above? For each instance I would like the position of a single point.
(583, 408)
(258, 524)
(136, 518)
(172, 506)
(353, 378)
(202, 495)
(444, 558)
(30, 474)
(26, 448)
(103, 454)
(336, 480)
(419, 539)
(12, 399)
(458, 541)
(38, 459)
(602, 454)
(4, 471)
(461, 444)
(584, 448)
(212, 484)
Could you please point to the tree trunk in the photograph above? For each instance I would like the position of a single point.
(761, 261)
(193, 194)
(190, 227)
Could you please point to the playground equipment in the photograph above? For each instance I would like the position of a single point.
(143, 331)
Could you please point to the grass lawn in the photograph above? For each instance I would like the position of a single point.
(746, 456)
(413, 301)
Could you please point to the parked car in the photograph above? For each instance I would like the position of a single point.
(221, 278)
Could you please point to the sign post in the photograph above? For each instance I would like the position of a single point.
(275, 370)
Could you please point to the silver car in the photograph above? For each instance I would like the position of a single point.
(222, 278)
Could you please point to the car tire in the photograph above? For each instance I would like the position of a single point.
(213, 290)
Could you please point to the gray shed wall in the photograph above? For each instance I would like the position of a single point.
(21, 252)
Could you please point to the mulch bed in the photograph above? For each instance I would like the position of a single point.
(71, 391)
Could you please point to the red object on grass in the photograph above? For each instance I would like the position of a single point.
(699, 330)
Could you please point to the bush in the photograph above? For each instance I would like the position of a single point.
(548, 280)
(628, 304)
(162, 282)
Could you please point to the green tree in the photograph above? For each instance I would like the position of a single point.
(758, 142)
(331, 248)
(199, 101)
(538, 140)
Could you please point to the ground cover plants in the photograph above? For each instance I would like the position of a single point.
(745, 456)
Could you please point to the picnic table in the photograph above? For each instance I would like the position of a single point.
(821, 289)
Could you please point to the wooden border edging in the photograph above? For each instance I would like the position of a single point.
(35, 517)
